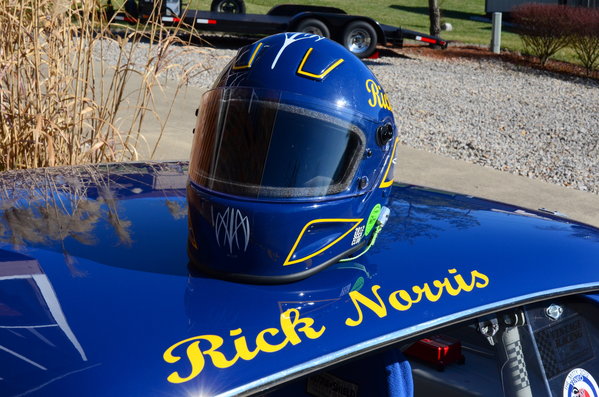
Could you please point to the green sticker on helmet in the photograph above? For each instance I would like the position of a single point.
(372, 218)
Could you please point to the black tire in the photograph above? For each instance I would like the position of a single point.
(228, 6)
(360, 38)
(313, 26)
(131, 8)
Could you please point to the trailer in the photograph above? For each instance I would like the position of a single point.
(359, 34)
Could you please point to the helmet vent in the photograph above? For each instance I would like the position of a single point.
(384, 134)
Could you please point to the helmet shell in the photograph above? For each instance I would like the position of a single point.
(310, 65)
(292, 156)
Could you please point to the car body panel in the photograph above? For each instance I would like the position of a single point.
(98, 297)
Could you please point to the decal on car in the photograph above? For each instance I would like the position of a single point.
(402, 300)
(292, 326)
(294, 329)
(579, 383)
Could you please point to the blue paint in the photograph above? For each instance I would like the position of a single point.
(292, 151)
(126, 300)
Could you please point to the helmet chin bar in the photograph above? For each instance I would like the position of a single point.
(289, 278)
(268, 280)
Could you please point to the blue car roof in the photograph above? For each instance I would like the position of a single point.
(97, 296)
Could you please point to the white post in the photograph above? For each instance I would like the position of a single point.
(496, 38)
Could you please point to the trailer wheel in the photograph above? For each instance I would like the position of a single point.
(313, 26)
(360, 38)
(131, 8)
(228, 6)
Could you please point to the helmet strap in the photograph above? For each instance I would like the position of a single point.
(375, 233)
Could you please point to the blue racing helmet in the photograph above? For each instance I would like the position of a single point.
(291, 162)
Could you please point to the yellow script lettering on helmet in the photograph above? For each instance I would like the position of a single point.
(379, 98)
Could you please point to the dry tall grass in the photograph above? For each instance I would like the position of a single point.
(59, 105)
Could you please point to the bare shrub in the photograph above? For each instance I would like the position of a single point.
(59, 103)
(584, 36)
(543, 28)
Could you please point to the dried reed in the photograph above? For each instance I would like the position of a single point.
(59, 104)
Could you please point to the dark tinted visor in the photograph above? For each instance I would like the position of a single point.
(250, 143)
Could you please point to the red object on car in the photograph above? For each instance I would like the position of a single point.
(439, 350)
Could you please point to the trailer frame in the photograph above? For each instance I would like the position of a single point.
(359, 34)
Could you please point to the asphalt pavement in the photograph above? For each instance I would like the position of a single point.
(413, 166)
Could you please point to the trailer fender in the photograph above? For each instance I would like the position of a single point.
(230, 6)
(336, 23)
(289, 10)
(311, 24)
(298, 19)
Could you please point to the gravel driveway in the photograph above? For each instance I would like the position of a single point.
(500, 115)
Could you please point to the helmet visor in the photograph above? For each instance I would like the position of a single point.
(250, 143)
